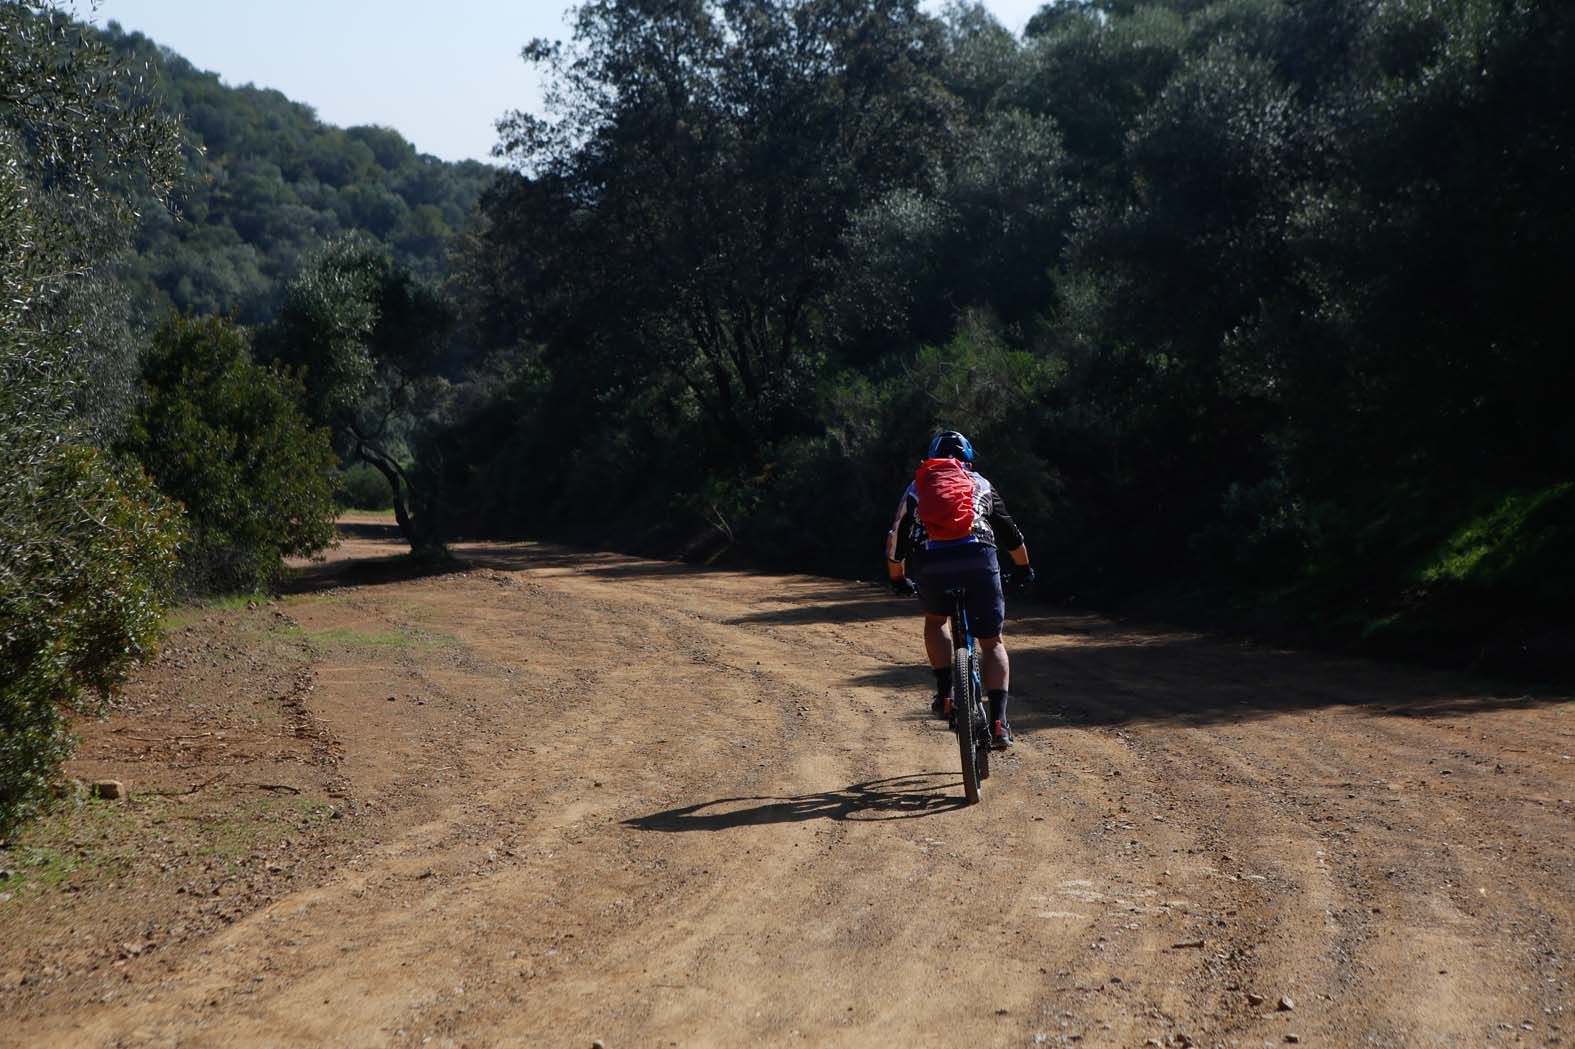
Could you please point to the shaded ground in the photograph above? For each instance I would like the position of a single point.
(556, 797)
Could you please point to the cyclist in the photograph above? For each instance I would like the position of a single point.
(970, 562)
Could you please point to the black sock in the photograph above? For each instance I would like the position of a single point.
(997, 705)
(943, 680)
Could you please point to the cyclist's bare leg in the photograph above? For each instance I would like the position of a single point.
(938, 641)
(994, 667)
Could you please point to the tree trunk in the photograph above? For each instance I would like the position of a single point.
(397, 486)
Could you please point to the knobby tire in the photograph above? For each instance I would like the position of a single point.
(981, 746)
(965, 706)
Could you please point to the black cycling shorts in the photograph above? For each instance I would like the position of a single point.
(972, 566)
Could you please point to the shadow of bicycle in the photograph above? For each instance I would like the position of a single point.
(895, 798)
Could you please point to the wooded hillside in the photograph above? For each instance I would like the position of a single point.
(267, 183)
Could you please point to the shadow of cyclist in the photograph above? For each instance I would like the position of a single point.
(895, 798)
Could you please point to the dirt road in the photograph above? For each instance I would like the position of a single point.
(562, 798)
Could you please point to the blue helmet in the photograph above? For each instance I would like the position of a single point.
(949, 444)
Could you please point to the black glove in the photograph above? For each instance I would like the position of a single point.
(903, 587)
(1023, 578)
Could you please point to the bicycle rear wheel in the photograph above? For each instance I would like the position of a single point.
(981, 721)
(965, 702)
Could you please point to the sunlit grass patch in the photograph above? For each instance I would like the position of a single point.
(1522, 538)
(190, 612)
(78, 836)
(257, 822)
(83, 839)
(32, 869)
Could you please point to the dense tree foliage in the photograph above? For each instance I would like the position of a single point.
(368, 336)
(231, 441)
(688, 224)
(1258, 293)
(87, 547)
(266, 184)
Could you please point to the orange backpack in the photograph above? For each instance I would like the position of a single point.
(945, 490)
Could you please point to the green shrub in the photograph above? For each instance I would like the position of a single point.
(87, 547)
(360, 487)
(87, 554)
(228, 438)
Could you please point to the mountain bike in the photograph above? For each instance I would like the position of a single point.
(970, 720)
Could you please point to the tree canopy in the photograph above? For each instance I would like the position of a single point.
(1258, 295)
(231, 441)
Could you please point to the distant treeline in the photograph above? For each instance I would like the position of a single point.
(267, 184)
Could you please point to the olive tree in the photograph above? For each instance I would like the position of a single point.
(367, 335)
(87, 546)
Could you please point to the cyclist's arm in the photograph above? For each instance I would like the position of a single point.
(1007, 534)
(899, 539)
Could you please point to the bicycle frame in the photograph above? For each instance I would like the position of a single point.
(960, 619)
(960, 629)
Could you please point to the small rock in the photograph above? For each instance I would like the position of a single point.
(1001, 1012)
(1286, 1004)
(1188, 943)
(598, 1044)
(1293, 1038)
(110, 789)
(392, 698)
(1254, 999)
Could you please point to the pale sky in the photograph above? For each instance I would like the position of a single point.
(440, 74)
